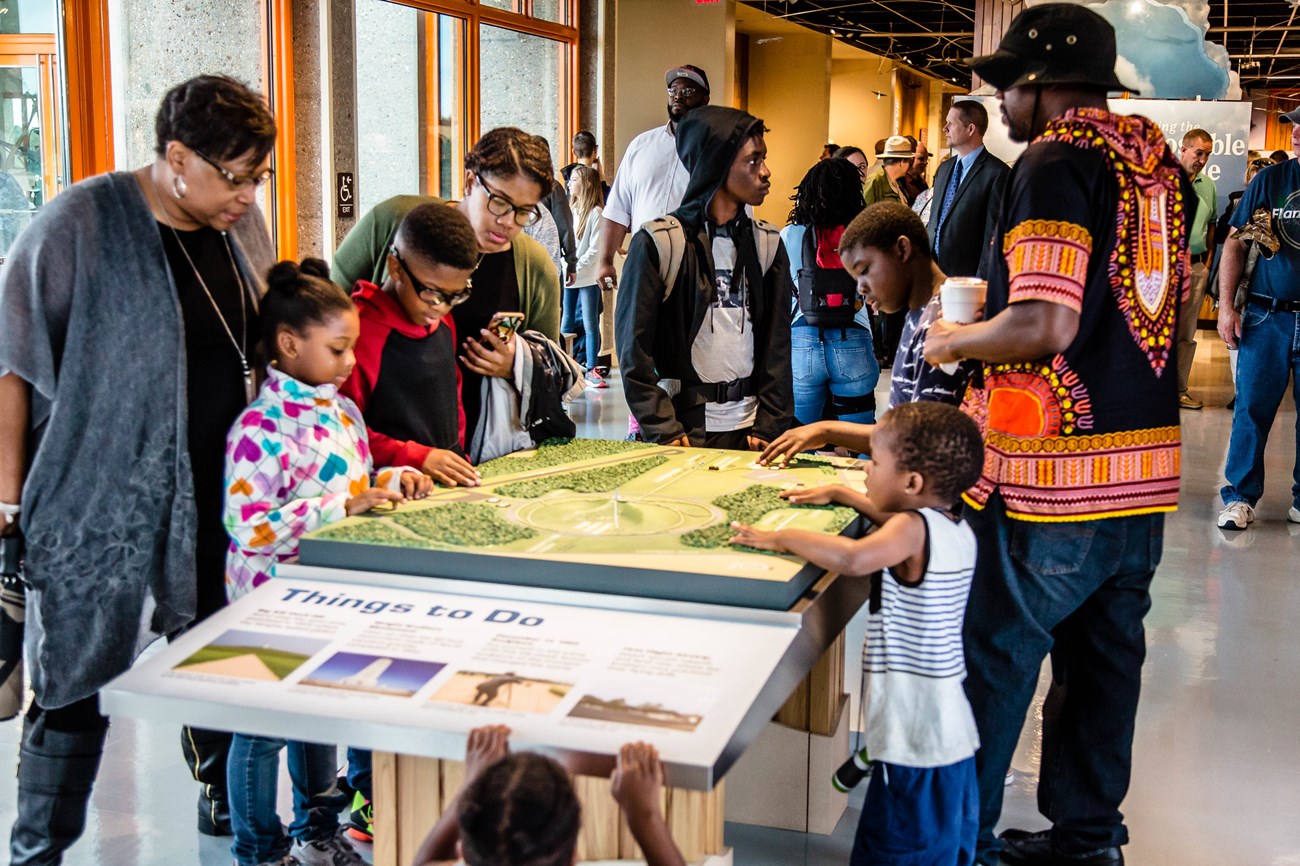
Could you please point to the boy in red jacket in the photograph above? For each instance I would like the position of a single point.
(406, 381)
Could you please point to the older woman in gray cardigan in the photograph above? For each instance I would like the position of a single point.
(128, 344)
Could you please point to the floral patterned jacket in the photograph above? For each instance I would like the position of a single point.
(293, 459)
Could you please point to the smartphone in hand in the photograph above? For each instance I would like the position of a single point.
(505, 324)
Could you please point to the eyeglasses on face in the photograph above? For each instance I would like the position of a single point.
(499, 205)
(683, 92)
(428, 295)
(236, 182)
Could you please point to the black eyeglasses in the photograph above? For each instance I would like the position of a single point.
(428, 295)
(499, 205)
(683, 92)
(235, 181)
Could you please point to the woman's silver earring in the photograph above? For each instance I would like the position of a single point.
(178, 186)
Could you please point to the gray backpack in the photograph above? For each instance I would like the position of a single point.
(670, 242)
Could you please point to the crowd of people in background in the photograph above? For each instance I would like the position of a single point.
(445, 333)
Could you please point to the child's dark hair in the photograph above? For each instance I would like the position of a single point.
(506, 152)
(938, 441)
(520, 811)
(882, 224)
(439, 235)
(829, 195)
(298, 296)
(219, 116)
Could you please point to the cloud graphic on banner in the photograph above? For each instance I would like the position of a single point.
(1163, 51)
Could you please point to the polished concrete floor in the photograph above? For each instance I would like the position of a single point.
(1217, 756)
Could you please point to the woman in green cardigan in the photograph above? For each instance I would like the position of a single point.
(507, 173)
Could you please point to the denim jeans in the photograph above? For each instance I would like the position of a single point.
(1078, 591)
(834, 362)
(359, 771)
(252, 772)
(586, 299)
(1269, 354)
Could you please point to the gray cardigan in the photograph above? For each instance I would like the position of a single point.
(89, 316)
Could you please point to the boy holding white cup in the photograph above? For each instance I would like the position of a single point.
(887, 251)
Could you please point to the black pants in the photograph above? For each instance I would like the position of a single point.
(1078, 591)
(732, 440)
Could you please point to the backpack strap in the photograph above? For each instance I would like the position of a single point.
(670, 243)
(767, 238)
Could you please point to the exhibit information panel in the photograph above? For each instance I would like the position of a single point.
(602, 516)
(412, 671)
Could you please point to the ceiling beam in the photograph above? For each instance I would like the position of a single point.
(1261, 30)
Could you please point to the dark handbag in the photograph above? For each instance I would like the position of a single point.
(13, 611)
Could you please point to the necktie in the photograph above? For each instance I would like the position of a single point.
(948, 195)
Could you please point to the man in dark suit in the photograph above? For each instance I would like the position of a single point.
(967, 191)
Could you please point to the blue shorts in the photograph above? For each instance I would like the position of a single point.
(918, 817)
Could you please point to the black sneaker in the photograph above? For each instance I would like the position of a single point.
(1023, 848)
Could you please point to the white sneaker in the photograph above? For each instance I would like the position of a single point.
(334, 851)
(286, 860)
(1293, 516)
(1237, 515)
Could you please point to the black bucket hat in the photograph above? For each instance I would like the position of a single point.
(1055, 43)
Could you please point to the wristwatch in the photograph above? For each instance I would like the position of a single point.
(10, 510)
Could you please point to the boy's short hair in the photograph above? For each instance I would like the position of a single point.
(440, 235)
(584, 144)
(507, 152)
(882, 224)
(938, 441)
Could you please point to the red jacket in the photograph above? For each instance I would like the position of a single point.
(382, 315)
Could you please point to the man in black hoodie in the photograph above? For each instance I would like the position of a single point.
(722, 328)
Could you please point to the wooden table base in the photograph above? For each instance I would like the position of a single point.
(410, 794)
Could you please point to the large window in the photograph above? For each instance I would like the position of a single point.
(410, 105)
(432, 75)
(524, 82)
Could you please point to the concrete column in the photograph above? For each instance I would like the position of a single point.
(651, 36)
(309, 100)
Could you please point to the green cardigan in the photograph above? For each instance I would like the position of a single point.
(363, 256)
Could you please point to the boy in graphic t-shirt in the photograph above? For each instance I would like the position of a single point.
(723, 328)
(887, 250)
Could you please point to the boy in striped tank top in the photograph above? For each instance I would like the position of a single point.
(922, 806)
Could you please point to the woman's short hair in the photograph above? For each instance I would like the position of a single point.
(218, 116)
(507, 152)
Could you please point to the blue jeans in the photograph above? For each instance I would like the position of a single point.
(252, 771)
(359, 771)
(838, 363)
(1269, 354)
(918, 817)
(1078, 591)
(588, 299)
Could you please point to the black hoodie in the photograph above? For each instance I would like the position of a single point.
(655, 336)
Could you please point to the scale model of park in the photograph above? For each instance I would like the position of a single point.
(602, 516)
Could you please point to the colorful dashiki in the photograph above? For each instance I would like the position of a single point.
(1094, 218)
(293, 459)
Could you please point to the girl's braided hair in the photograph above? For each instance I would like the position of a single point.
(521, 811)
(829, 195)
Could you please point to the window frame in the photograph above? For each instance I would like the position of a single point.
(474, 14)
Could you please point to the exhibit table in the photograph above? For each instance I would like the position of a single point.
(587, 596)
(408, 665)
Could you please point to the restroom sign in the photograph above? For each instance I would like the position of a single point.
(346, 195)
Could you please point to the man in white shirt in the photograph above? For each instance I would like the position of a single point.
(651, 180)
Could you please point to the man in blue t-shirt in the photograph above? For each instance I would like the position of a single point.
(1263, 332)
